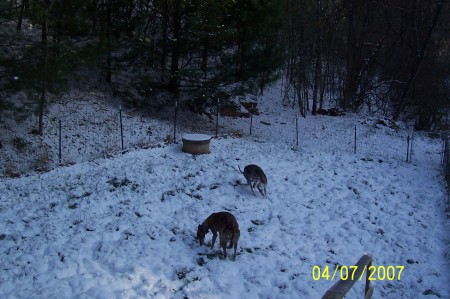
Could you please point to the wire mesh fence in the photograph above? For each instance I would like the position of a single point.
(79, 135)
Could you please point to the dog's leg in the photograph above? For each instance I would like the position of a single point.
(231, 240)
(252, 185)
(223, 244)
(262, 190)
(256, 183)
(213, 239)
(235, 242)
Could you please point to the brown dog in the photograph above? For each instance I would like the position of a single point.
(226, 225)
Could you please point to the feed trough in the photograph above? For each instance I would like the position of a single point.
(196, 143)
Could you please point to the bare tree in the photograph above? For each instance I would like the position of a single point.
(420, 46)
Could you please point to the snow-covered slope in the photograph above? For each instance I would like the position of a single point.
(124, 227)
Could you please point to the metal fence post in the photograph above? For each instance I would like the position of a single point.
(121, 128)
(60, 142)
(217, 117)
(175, 122)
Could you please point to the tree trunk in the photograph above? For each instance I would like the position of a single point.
(57, 32)
(165, 21)
(348, 89)
(317, 79)
(418, 62)
(174, 64)
(21, 14)
(322, 85)
(108, 42)
(43, 99)
(94, 15)
(204, 65)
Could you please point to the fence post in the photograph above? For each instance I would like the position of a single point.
(410, 148)
(60, 142)
(175, 122)
(217, 117)
(368, 274)
(407, 148)
(343, 286)
(446, 165)
(251, 122)
(121, 127)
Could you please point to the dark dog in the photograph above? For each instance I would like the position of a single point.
(226, 225)
(255, 177)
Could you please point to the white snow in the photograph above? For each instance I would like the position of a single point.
(196, 137)
(124, 227)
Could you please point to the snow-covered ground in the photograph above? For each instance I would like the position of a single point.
(125, 226)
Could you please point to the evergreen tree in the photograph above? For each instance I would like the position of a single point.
(42, 58)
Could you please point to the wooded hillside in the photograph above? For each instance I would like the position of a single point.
(385, 56)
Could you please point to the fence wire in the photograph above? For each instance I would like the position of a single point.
(78, 135)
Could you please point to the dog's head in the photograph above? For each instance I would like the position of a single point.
(201, 232)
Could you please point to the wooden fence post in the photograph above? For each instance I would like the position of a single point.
(341, 288)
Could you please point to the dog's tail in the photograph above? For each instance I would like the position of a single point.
(240, 169)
